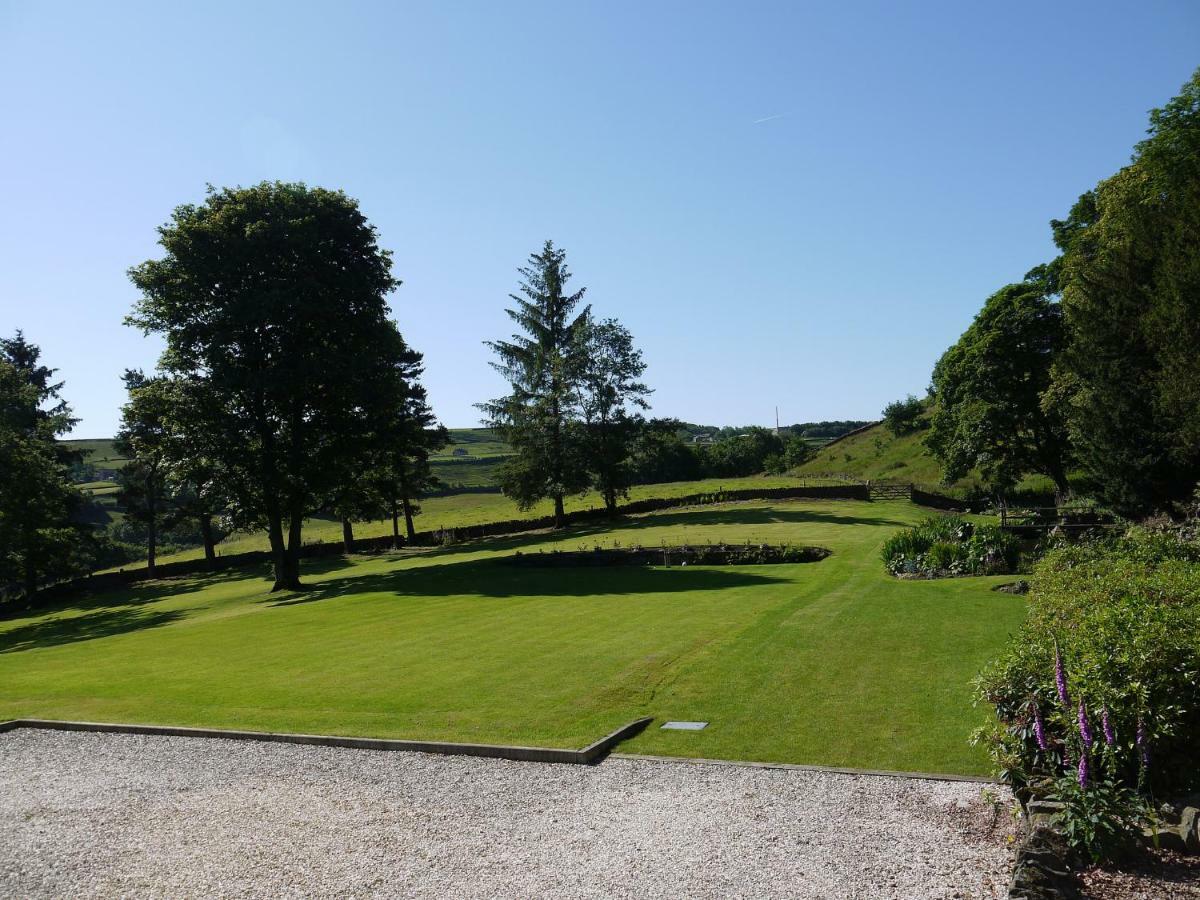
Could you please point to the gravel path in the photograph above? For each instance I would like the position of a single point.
(89, 815)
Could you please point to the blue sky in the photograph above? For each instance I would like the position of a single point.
(792, 205)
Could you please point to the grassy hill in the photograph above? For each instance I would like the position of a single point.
(832, 663)
(875, 454)
(99, 452)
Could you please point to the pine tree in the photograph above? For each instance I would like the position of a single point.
(38, 537)
(543, 366)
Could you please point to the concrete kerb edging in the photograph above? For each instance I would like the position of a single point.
(797, 767)
(586, 756)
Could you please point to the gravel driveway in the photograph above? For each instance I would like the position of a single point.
(116, 815)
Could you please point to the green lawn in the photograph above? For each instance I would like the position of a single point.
(830, 663)
(463, 510)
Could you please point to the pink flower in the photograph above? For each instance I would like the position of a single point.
(1085, 728)
(1060, 679)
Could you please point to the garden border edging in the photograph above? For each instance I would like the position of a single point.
(588, 755)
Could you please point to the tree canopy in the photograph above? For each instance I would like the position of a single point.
(1129, 379)
(989, 389)
(272, 301)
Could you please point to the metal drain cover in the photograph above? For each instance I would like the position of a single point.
(685, 726)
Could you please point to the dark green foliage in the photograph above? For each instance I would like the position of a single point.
(611, 398)
(989, 390)
(904, 416)
(797, 451)
(1129, 381)
(40, 539)
(145, 438)
(405, 434)
(943, 546)
(660, 454)
(742, 454)
(826, 430)
(1101, 822)
(543, 366)
(1123, 614)
(272, 303)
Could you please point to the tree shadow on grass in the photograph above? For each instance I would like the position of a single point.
(730, 515)
(133, 595)
(54, 632)
(491, 578)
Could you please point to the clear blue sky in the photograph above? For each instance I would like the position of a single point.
(788, 204)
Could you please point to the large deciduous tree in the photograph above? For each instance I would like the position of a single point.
(1129, 381)
(542, 366)
(272, 301)
(989, 390)
(611, 398)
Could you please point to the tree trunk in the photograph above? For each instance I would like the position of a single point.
(151, 526)
(347, 535)
(1062, 487)
(30, 570)
(560, 516)
(151, 545)
(408, 521)
(206, 533)
(395, 526)
(295, 529)
(278, 549)
(610, 501)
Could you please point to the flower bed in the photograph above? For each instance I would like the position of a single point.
(947, 546)
(705, 555)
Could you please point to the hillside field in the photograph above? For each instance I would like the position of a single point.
(875, 454)
(830, 663)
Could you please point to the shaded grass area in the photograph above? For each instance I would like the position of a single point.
(829, 663)
(466, 510)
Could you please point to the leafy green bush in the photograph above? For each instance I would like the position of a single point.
(950, 545)
(1102, 683)
(903, 417)
(1101, 820)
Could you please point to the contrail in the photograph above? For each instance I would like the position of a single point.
(769, 118)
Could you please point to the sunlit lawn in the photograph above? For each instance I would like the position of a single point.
(829, 663)
(465, 510)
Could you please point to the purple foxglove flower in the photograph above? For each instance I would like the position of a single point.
(1110, 737)
(1143, 744)
(1039, 728)
(1083, 770)
(1085, 728)
(1060, 679)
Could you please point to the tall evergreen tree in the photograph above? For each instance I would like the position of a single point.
(38, 538)
(542, 366)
